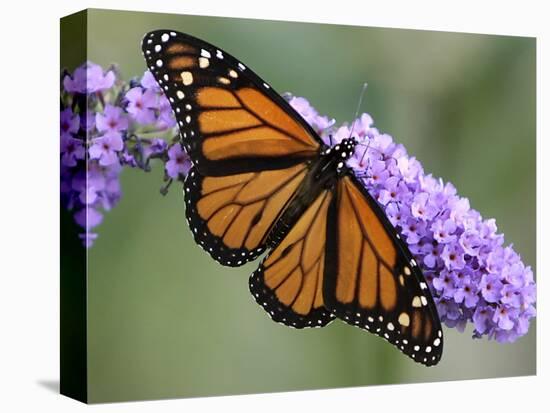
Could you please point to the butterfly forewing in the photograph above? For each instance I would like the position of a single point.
(372, 281)
(230, 120)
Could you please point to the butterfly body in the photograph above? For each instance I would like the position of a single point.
(323, 174)
(264, 181)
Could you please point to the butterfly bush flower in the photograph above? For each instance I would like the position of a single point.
(473, 277)
(107, 124)
(178, 163)
(89, 78)
(310, 114)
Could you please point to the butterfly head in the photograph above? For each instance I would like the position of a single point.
(341, 152)
(347, 147)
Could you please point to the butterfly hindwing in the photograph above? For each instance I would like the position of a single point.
(231, 216)
(371, 280)
(230, 120)
(289, 282)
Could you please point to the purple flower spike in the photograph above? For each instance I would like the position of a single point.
(115, 131)
(473, 277)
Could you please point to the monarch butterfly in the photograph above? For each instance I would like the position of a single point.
(264, 180)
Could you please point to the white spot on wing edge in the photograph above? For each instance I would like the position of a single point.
(404, 320)
(187, 78)
(203, 62)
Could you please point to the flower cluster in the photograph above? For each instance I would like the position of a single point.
(471, 274)
(107, 124)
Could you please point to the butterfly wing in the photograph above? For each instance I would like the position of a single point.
(371, 280)
(230, 120)
(288, 284)
(248, 146)
(231, 216)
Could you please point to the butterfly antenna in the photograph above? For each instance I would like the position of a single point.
(367, 146)
(363, 90)
(364, 153)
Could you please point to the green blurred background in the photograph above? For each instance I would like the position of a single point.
(166, 321)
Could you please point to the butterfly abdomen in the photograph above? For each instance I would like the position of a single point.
(313, 184)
